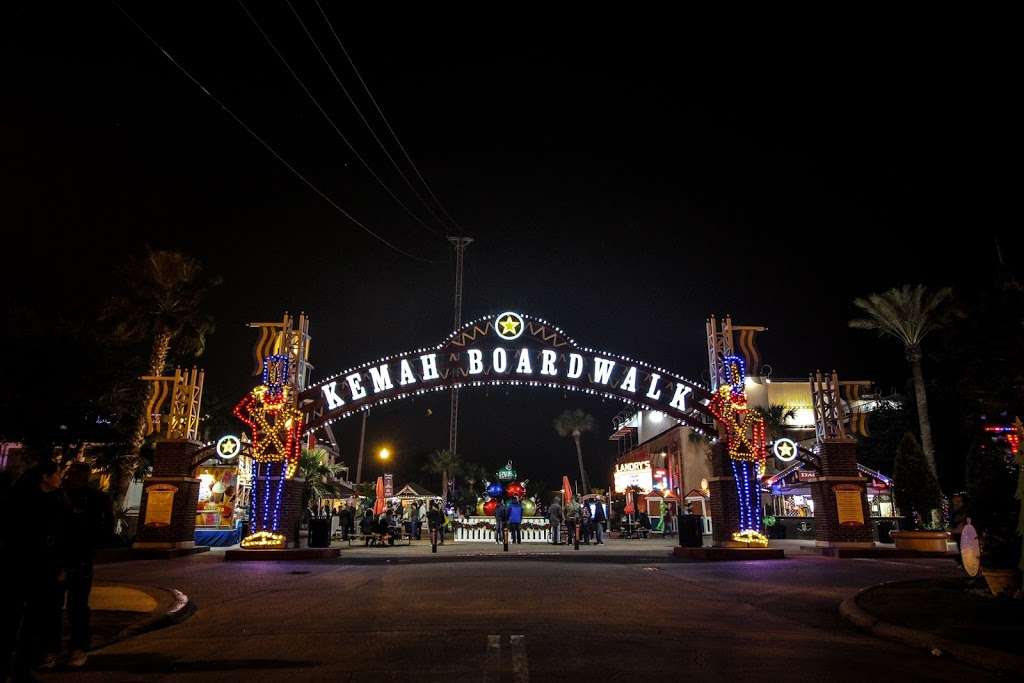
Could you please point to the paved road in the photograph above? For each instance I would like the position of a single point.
(517, 621)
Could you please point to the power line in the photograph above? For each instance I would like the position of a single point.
(384, 118)
(359, 111)
(265, 144)
(330, 120)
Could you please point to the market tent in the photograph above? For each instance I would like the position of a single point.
(413, 490)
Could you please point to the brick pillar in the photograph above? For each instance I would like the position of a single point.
(724, 501)
(840, 480)
(170, 521)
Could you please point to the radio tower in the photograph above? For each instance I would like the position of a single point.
(460, 244)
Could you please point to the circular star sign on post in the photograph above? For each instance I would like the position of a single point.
(228, 446)
(784, 449)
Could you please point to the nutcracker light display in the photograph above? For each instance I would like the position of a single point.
(744, 435)
(271, 414)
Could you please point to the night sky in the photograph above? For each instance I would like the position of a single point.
(623, 180)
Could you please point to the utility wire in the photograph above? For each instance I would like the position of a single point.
(359, 111)
(384, 118)
(267, 145)
(330, 121)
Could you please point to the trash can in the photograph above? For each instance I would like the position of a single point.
(690, 531)
(884, 528)
(320, 532)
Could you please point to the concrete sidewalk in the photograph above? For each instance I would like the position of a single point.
(121, 610)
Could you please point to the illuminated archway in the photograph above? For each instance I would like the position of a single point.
(509, 349)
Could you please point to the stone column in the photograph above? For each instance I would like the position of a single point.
(724, 501)
(167, 515)
(836, 492)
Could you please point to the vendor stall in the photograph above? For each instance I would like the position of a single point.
(790, 507)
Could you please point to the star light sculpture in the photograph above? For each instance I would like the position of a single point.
(271, 414)
(746, 443)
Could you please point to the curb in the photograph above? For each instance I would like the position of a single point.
(181, 608)
(510, 557)
(976, 655)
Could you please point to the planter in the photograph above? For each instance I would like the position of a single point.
(926, 541)
(1000, 581)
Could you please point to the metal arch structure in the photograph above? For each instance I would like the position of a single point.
(471, 357)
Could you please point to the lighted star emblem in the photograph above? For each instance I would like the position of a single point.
(784, 449)
(509, 325)
(228, 446)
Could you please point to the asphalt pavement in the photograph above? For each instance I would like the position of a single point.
(515, 621)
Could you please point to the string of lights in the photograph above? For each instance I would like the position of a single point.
(387, 123)
(266, 145)
(373, 132)
(327, 117)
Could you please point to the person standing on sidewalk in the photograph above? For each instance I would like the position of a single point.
(572, 519)
(598, 519)
(514, 513)
(421, 513)
(41, 542)
(435, 522)
(555, 517)
(91, 524)
(500, 513)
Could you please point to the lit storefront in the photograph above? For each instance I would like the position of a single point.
(790, 506)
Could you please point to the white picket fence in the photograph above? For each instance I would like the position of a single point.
(475, 530)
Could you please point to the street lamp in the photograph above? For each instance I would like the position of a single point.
(384, 454)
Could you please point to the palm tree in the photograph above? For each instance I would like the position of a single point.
(775, 417)
(446, 463)
(319, 475)
(908, 314)
(474, 474)
(573, 423)
(160, 303)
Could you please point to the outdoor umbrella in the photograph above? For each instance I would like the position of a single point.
(380, 503)
(566, 489)
(630, 508)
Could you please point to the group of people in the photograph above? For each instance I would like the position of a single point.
(395, 520)
(52, 521)
(587, 520)
(509, 516)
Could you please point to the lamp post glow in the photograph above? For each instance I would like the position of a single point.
(384, 454)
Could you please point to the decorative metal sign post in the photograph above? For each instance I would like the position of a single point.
(841, 511)
(170, 494)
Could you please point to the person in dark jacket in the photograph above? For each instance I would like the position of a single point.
(90, 525)
(500, 513)
(555, 518)
(41, 544)
(514, 515)
(435, 521)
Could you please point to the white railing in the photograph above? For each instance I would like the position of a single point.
(481, 530)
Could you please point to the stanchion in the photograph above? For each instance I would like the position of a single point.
(504, 536)
(576, 538)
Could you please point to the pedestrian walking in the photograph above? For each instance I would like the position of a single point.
(585, 524)
(514, 514)
(598, 520)
(90, 525)
(344, 521)
(555, 518)
(435, 522)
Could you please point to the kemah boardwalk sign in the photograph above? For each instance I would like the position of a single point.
(507, 349)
